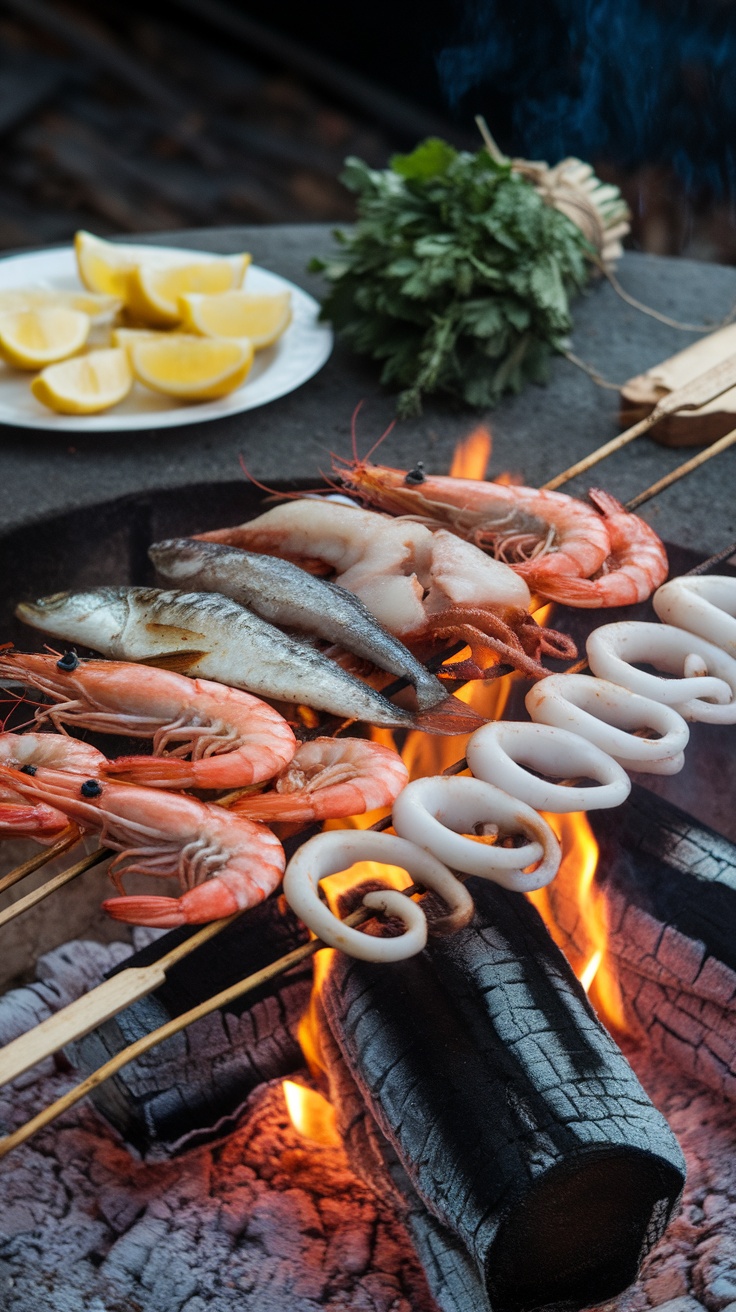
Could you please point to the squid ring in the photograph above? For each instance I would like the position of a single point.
(606, 714)
(498, 753)
(706, 606)
(614, 649)
(338, 849)
(437, 812)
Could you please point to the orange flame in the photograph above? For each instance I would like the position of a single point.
(576, 879)
(311, 1114)
(472, 454)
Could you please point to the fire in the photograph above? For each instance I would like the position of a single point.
(576, 879)
(311, 1114)
(472, 455)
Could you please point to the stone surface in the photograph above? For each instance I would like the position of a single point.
(537, 433)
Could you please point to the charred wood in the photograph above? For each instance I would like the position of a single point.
(669, 886)
(484, 1087)
(193, 1085)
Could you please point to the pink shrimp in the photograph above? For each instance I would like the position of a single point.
(330, 778)
(224, 862)
(539, 534)
(234, 738)
(25, 752)
(634, 570)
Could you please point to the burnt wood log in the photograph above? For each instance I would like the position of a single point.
(669, 884)
(194, 1084)
(475, 1085)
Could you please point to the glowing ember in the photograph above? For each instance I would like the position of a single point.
(311, 1114)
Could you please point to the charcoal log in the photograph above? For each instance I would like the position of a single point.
(194, 1084)
(669, 886)
(475, 1084)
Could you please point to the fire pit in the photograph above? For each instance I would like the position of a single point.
(292, 1221)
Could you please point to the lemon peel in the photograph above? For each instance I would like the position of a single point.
(86, 384)
(192, 368)
(261, 318)
(30, 339)
(153, 290)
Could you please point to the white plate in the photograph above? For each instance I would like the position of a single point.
(295, 357)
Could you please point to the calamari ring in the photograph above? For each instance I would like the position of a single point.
(614, 649)
(338, 849)
(437, 812)
(498, 753)
(606, 714)
(706, 606)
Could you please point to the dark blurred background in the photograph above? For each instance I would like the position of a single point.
(182, 113)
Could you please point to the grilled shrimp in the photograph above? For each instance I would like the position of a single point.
(330, 778)
(421, 585)
(234, 738)
(25, 752)
(539, 534)
(635, 567)
(224, 862)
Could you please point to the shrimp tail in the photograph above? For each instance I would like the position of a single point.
(604, 502)
(451, 716)
(153, 771)
(166, 912)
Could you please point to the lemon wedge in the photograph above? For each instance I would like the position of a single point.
(237, 314)
(128, 337)
(103, 266)
(191, 368)
(41, 298)
(153, 290)
(86, 385)
(30, 339)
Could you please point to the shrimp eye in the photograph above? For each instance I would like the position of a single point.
(68, 662)
(91, 788)
(28, 769)
(416, 475)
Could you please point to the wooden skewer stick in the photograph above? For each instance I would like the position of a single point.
(40, 859)
(721, 378)
(676, 474)
(148, 1041)
(97, 1006)
(51, 885)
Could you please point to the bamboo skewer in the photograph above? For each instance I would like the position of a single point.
(129, 985)
(35, 862)
(673, 477)
(721, 378)
(58, 881)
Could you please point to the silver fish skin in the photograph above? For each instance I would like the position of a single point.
(284, 594)
(204, 634)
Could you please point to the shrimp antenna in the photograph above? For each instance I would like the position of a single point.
(381, 439)
(336, 487)
(354, 430)
(272, 491)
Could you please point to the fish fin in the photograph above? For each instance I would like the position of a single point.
(152, 771)
(179, 662)
(450, 716)
(175, 631)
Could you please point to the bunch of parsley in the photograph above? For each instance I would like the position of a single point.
(457, 275)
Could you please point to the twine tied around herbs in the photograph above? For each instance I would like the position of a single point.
(602, 215)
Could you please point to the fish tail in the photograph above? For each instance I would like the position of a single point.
(152, 771)
(451, 716)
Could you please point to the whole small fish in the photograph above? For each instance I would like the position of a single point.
(205, 634)
(284, 594)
